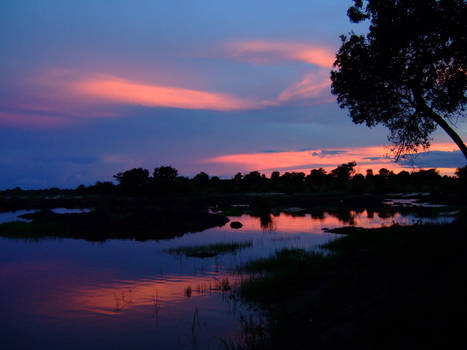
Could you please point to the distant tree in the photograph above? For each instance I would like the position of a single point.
(427, 177)
(252, 177)
(215, 180)
(109, 187)
(293, 181)
(358, 183)
(384, 173)
(461, 173)
(343, 172)
(133, 180)
(409, 73)
(201, 179)
(275, 175)
(316, 179)
(53, 191)
(15, 190)
(238, 177)
(165, 173)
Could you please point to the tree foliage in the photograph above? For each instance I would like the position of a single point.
(165, 173)
(409, 73)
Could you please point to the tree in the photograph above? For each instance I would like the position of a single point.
(133, 180)
(409, 73)
(165, 173)
(201, 179)
(343, 172)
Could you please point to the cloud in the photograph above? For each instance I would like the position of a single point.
(261, 51)
(123, 91)
(374, 157)
(324, 153)
(55, 96)
(435, 159)
(270, 151)
(283, 160)
(313, 87)
(60, 97)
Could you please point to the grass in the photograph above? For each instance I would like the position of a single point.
(285, 259)
(209, 250)
(392, 287)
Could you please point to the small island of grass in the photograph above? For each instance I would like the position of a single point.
(209, 250)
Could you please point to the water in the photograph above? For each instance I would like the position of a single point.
(66, 293)
(15, 215)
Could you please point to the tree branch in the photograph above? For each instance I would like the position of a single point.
(440, 121)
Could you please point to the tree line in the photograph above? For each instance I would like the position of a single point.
(343, 178)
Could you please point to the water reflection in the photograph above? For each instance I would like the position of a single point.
(67, 293)
(267, 223)
(159, 293)
(15, 215)
(316, 221)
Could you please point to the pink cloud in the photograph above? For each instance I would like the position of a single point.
(312, 87)
(59, 96)
(260, 51)
(118, 90)
(374, 157)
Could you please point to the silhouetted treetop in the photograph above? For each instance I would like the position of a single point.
(165, 172)
(132, 180)
(409, 73)
(201, 179)
(344, 171)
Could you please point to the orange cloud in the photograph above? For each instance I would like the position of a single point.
(60, 96)
(114, 89)
(366, 157)
(270, 51)
(312, 86)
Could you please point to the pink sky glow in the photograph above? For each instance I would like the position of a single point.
(262, 51)
(114, 89)
(303, 161)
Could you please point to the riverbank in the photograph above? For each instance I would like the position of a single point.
(392, 287)
(157, 217)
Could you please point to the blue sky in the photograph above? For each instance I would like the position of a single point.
(90, 88)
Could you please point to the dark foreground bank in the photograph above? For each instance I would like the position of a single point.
(389, 288)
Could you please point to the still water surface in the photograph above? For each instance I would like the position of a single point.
(74, 294)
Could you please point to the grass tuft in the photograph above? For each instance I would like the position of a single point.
(209, 250)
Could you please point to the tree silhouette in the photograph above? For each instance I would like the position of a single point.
(201, 179)
(132, 180)
(409, 73)
(165, 173)
(343, 172)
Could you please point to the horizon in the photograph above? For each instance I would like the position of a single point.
(357, 171)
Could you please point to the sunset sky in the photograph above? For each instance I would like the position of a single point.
(90, 88)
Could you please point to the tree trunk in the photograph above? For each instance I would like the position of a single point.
(440, 121)
(449, 130)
